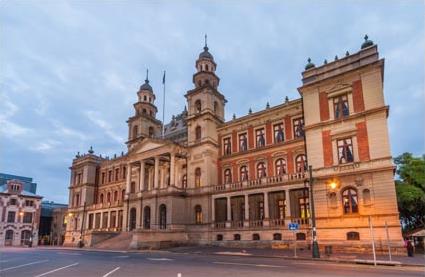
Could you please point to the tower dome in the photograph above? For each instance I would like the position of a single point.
(205, 54)
(146, 85)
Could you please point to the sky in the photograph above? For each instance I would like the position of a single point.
(70, 70)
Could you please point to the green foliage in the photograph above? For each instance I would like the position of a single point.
(410, 188)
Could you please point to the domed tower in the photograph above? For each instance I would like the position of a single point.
(205, 114)
(144, 123)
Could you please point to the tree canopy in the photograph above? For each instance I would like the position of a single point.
(410, 186)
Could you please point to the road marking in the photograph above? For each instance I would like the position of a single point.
(160, 259)
(22, 265)
(6, 261)
(57, 269)
(257, 265)
(66, 253)
(122, 257)
(110, 272)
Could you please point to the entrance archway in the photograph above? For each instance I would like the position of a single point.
(132, 224)
(147, 217)
(162, 217)
(25, 237)
(8, 238)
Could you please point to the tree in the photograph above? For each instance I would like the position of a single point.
(410, 187)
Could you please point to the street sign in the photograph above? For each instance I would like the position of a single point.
(293, 226)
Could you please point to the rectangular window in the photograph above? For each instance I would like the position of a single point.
(110, 176)
(260, 137)
(105, 220)
(124, 172)
(341, 108)
(117, 173)
(27, 218)
(243, 142)
(227, 146)
(103, 177)
(113, 219)
(278, 133)
(29, 203)
(97, 221)
(345, 150)
(13, 202)
(298, 128)
(90, 222)
(11, 217)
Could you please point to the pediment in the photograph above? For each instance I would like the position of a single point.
(146, 145)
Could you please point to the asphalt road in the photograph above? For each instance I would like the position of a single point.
(16, 262)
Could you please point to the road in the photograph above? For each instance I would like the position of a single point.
(16, 262)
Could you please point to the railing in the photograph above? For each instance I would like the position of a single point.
(237, 224)
(277, 222)
(301, 221)
(220, 225)
(255, 223)
(261, 182)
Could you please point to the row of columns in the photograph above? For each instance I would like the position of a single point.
(266, 206)
(158, 175)
(108, 225)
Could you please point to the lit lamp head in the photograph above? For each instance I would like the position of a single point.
(70, 214)
(21, 213)
(333, 184)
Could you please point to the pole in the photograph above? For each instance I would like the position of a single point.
(315, 246)
(295, 244)
(163, 106)
(388, 241)
(373, 241)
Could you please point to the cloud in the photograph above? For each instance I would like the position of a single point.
(96, 118)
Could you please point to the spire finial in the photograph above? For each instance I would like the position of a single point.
(147, 75)
(206, 37)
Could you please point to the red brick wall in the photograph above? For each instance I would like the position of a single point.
(288, 128)
(358, 101)
(362, 141)
(220, 146)
(324, 106)
(219, 172)
(290, 162)
(327, 148)
(268, 133)
(251, 169)
(234, 141)
(269, 165)
(250, 137)
(235, 172)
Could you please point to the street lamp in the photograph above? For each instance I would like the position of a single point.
(315, 246)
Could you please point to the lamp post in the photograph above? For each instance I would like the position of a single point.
(315, 246)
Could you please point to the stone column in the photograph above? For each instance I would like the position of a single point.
(288, 205)
(229, 212)
(213, 210)
(266, 209)
(128, 179)
(172, 169)
(246, 218)
(142, 176)
(156, 173)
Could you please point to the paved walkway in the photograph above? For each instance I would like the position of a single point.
(417, 260)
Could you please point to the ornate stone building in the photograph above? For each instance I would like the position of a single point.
(241, 182)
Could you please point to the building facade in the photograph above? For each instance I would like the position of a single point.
(19, 214)
(52, 223)
(204, 180)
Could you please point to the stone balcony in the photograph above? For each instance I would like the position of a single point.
(304, 223)
(261, 182)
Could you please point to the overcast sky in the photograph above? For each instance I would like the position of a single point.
(70, 70)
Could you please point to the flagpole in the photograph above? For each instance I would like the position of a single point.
(163, 105)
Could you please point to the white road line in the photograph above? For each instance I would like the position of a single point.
(160, 259)
(54, 270)
(22, 265)
(110, 272)
(122, 257)
(66, 253)
(257, 265)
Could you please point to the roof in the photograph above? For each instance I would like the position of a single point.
(205, 54)
(28, 184)
(417, 233)
(4, 189)
(176, 126)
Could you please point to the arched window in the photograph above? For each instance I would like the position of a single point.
(236, 237)
(184, 181)
(227, 176)
(215, 107)
(162, 217)
(8, 238)
(108, 197)
(151, 132)
(197, 177)
(206, 66)
(219, 237)
(198, 133)
(332, 199)
(115, 196)
(198, 214)
(132, 224)
(280, 167)
(255, 236)
(349, 201)
(144, 111)
(277, 236)
(145, 98)
(261, 170)
(300, 236)
(101, 198)
(198, 106)
(366, 197)
(243, 173)
(135, 131)
(147, 217)
(301, 163)
(353, 236)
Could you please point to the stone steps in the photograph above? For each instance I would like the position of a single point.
(119, 242)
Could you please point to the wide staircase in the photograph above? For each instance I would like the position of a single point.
(119, 242)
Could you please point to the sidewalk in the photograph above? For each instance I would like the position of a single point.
(353, 258)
